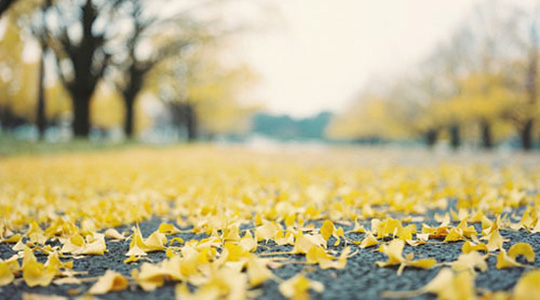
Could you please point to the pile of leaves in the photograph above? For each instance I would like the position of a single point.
(325, 207)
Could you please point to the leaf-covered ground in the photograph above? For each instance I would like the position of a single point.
(209, 222)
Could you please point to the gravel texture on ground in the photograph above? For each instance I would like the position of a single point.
(361, 279)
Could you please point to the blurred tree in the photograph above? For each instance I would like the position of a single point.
(484, 76)
(483, 100)
(215, 93)
(522, 77)
(107, 108)
(202, 94)
(11, 73)
(38, 30)
(161, 37)
(483, 87)
(80, 36)
(452, 60)
(32, 14)
(30, 18)
(20, 81)
(369, 118)
(59, 104)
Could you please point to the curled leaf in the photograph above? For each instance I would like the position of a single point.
(522, 249)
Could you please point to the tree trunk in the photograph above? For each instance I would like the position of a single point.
(41, 117)
(129, 120)
(4, 5)
(431, 137)
(81, 118)
(526, 135)
(455, 138)
(532, 77)
(191, 124)
(487, 135)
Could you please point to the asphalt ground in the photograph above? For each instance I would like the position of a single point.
(361, 278)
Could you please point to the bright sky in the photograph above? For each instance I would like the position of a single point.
(327, 49)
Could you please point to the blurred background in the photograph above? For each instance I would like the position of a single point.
(419, 73)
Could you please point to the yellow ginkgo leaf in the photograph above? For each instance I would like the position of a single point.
(290, 221)
(424, 263)
(522, 249)
(155, 242)
(97, 247)
(135, 251)
(248, 242)
(35, 273)
(266, 231)
(257, 271)
(327, 229)
(528, 286)
(284, 237)
(446, 285)
(338, 263)
(131, 259)
(114, 234)
(27, 296)
(139, 246)
(442, 283)
(406, 232)
(168, 229)
(454, 235)
(182, 292)
(495, 241)
(297, 288)
(235, 252)
(393, 250)
(369, 241)
(6, 276)
(230, 282)
(462, 287)
(55, 264)
(35, 233)
(73, 244)
(176, 239)
(339, 234)
(231, 233)
(304, 242)
(469, 262)
(77, 245)
(110, 281)
(388, 227)
(317, 255)
(469, 247)
(505, 261)
(357, 227)
(13, 239)
(19, 246)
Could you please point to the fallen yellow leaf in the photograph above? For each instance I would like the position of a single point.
(297, 287)
(522, 249)
(110, 281)
(528, 286)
